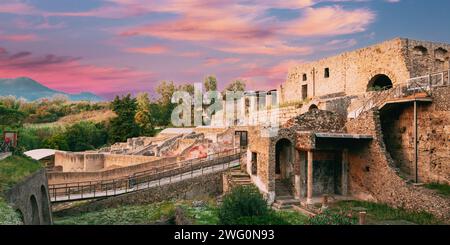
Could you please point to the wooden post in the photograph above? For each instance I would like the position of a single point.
(362, 218)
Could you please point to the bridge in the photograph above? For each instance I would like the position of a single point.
(186, 170)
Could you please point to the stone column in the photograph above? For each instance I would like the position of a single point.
(345, 172)
(309, 192)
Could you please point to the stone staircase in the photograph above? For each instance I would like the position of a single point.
(236, 177)
(284, 198)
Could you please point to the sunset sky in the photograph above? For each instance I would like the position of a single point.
(113, 47)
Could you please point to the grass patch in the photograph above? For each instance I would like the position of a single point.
(293, 217)
(125, 215)
(14, 169)
(205, 214)
(378, 213)
(442, 189)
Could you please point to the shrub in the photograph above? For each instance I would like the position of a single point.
(242, 204)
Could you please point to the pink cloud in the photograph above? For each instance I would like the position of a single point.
(15, 7)
(329, 21)
(260, 77)
(272, 48)
(69, 74)
(235, 27)
(19, 37)
(155, 49)
(216, 61)
(190, 54)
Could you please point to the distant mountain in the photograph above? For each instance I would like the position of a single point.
(29, 89)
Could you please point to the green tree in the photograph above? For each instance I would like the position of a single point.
(187, 88)
(84, 136)
(143, 115)
(236, 86)
(124, 126)
(165, 91)
(210, 83)
(11, 117)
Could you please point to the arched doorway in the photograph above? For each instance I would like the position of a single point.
(45, 206)
(313, 107)
(379, 82)
(283, 158)
(34, 211)
(283, 167)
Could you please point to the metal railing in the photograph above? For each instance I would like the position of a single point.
(412, 87)
(162, 175)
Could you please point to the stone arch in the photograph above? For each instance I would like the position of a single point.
(440, 54)
(379, 82)
(35, 220)
(45, 206)
(283, 157)
(313, 107)
(420, 50)
(20, 214)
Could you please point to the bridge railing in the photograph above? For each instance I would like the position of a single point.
(139, 180)
(412, 87)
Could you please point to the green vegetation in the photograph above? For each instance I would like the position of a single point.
(379, 213)
(296, 104)
(42, 111)
(332, 218)
(7, 215)
(80, 136)
(124, 125)
(14, 168)
(236, 86)
(143, 115)
(205, 214)
(243, 202)
(442, 189)
(126, 215)
(245, 205)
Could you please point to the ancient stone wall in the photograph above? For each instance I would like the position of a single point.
(372, 175)
(89, 162)
(31, 199)
(259, 147)
(350, 73)
(434, 137)
(423, 57)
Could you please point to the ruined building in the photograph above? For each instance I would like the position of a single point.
(348, 127)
